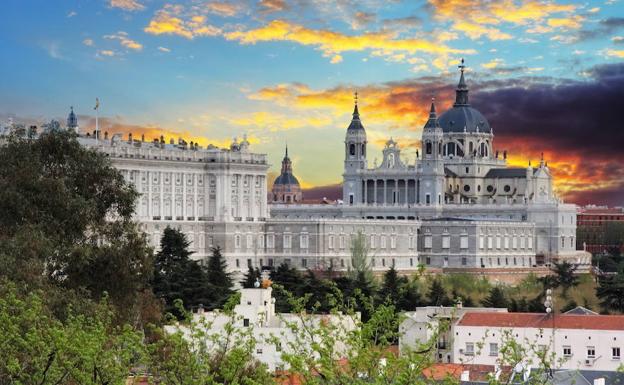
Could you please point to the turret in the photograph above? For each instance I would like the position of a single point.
(355, 157)
(432, 163)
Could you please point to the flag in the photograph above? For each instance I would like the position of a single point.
(97, 104)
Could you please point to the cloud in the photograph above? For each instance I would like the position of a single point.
(71, 14)
(362, 19)
(106, 52)
(223, 8)
(605, 28)
(164, 49)
(493, 63)
(127, 5)
(53, 49)
(333, 43)
(125, 41)
(273, 122)
(171, 21)
(269, 6)
(619, 53)
(477, 18)
(88, 42)
(617, 39)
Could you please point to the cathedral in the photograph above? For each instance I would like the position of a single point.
(458, 207)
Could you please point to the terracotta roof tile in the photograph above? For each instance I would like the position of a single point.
(543, 321)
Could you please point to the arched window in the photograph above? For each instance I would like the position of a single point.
(451, 148)
(428, 148)
(352, 149)
(363, 150)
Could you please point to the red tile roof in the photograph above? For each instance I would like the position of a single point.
(543, 321)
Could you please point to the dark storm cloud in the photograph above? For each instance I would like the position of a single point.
(573, 116)
(605, 27)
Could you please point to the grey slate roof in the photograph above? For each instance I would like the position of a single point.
(515, 172)
(286, 178)
(460, 116)
(580, 310)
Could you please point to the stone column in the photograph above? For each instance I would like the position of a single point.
(195, 200)
(406, 181)
(365, 191)
(375, 192)
(385, 191)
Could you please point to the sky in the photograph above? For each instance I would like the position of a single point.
(548, 75)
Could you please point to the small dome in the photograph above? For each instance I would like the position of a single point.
(286, 179)
(458, 117)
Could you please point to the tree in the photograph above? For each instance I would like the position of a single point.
(176, 276)
(290, 280)
(565, 276)
(610, 291)
(360, 261)
(219, 279)
(38, 348)
(66, 222)
(496, 298)
(437, 294)
(409, 297)
(391, 286)
(250, 279)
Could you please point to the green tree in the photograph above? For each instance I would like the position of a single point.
(291, 280)
(496, 298)
(250, 278)
(37, 348)
(565, 276)
(610, 291)
(391, 285)
(219, 278)
(409, 295)
(360, 261)
(66, 222)
(437, 294)
(176, 276)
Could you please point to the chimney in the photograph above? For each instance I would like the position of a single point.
(465, 375)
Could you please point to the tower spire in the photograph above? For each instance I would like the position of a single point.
(356, 113)
(461, 93)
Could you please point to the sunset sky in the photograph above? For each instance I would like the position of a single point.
(549, 75)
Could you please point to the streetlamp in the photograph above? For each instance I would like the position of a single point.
(549, 304)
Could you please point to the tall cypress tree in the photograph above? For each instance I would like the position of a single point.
(219, 279)
(437, 294)
(250, 278)
(496, 298)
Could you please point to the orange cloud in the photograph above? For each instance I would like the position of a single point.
(125, 41)
(169, 21)
(223, 8)
(334, 43)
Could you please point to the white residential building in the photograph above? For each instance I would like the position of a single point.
(579, 341)
(274, 333)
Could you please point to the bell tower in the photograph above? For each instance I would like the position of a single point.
(432, 162)
(355, 158)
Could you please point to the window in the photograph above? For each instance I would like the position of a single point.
(507, 188)
(591, 352)
(383, 242)
(270, 241)
(481, 242)
(490, 242)
(287, 241)
(304, 262)
(259, 351)
(446, 242)
(393, 242)
(428, 241)
(567, 351)
(331, 242)
(352, 149)
(428, 147)
(237, 241)
(615, 353)
(303, 241)
(237, 263)
(464, 261)
(562, 241)
(493, 349)
(249, 241)
(463, 242)
(466, 187)
(498, 242)
(342, 241)
(469, 349)
(246, 322)
(278, 347)
(428, 199)
(372, 241)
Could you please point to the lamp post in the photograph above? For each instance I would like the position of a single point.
(549, 304)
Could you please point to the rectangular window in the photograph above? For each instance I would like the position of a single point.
(567, 351)
(464, 261)
(237, 241)
(591, 352)
(304, 241)
(383, 242)
(427, 199)
(615, 353)
(270, 241)
(493, 349)
(498, 242)
(514, 242)
(469, 349)
(330, 243)
(522, 242)
(249, 262)
(249, 241)
(237, 263)
(463, 242)
(411, 242)
(259, 351)
(482, 242)
(446, 242)
(304, 262)
(342, 241)
(393, 242)
(506, 242)
(490, 242)
(530, 243)
(428, 241)
(246, 322)
(287, 241)
(372, 241)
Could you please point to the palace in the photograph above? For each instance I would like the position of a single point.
(458, 207)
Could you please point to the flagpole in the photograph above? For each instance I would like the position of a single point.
(97, 125)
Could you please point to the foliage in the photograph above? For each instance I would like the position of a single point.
(360, 261)
(66, 223)
(496, 298)
(176, 276)
(610, 291)
(37, 348)
(565, 276)
(250, 278)
(219, 279)
(437, 294)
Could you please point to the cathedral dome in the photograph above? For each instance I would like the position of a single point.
(462, 117)
(286, 188)
(286, 179)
